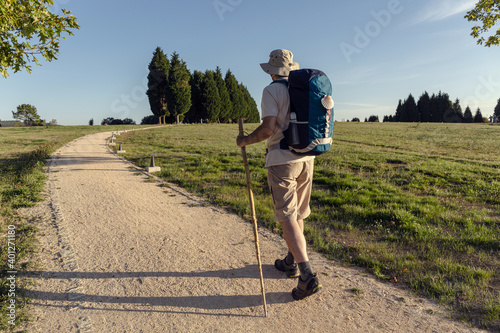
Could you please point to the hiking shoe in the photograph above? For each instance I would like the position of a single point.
(291, 271)
(306, 288)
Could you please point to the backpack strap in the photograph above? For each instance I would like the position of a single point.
(282, 144)
(284, 81)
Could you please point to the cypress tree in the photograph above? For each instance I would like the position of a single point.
(178, 89)
(252, 115)
(440, 108)
(195, 113)
(226, 107)
(424, 107)
(210, 100)
(468, 115)
(236, 97)
(434, 107)
(399, 112)
(497, 109)
(444, 105)
(405, 114)
(245, 113)
(458, 111)
(411, 110)
(447, 108)
(478, 117)
(159, 68)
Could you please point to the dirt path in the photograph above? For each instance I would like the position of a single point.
(119, 254)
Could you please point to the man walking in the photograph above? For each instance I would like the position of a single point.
(289, 175)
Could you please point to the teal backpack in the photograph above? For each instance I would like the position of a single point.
(311, 112)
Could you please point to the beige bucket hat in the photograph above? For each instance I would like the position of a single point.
(280, 63)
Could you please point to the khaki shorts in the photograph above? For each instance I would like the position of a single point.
(290, 186)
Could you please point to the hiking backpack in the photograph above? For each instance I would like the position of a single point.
(311, 113)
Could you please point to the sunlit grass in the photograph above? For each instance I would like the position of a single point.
(416, 204)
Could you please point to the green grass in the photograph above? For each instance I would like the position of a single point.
(419, 202)
(23, 153)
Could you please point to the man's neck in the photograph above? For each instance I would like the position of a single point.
(277, 77)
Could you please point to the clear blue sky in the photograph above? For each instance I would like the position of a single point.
(374, 51)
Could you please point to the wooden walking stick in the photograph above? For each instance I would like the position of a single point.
(254, 218)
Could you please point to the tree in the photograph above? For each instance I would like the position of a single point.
(111, 121)
(159, 68)
(149, 120)
(487, 13)
(236, 96)
(399, 112)
(468, 115)
(129, 121)
(27, 29)
(478, 117)
(355, 120)
(28, 114)
(252, 115)
(440, 106)
(458, 111)
(196, 112)
(245, 109)
(178, 88)
(226, 107)
(497, 109)
(373, 119)
(410, 110)
(91, 122)
(424, 107)
(210, 99)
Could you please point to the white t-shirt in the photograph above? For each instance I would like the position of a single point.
(276, 102)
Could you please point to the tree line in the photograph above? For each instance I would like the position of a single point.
(176, 95)
(113, 121)
(436, 108)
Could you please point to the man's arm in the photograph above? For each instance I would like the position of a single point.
(261, 133)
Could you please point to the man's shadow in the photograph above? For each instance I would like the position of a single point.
(218, 301)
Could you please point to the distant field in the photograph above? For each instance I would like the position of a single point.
(416, 204)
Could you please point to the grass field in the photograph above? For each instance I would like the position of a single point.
(418, 205)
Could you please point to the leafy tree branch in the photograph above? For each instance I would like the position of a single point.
(28, 28)
(487, 13)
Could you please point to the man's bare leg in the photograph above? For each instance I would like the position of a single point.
(290, 259)
(294, 238)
